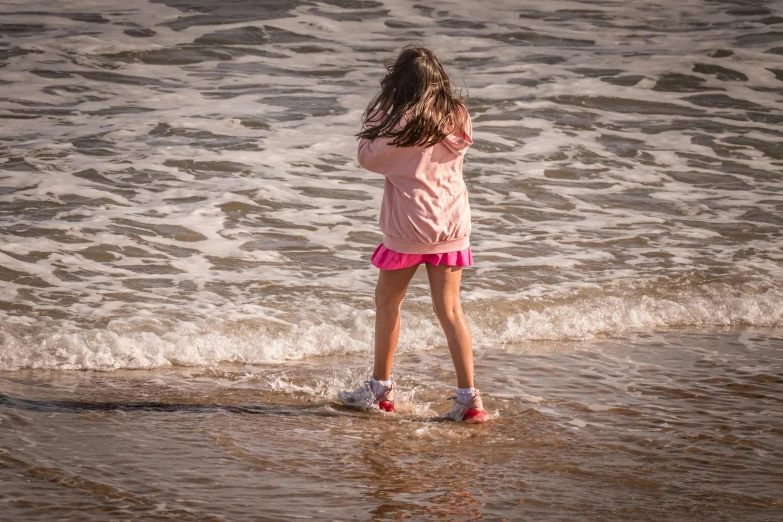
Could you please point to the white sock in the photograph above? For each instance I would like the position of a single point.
(375, 382)
(464, 395)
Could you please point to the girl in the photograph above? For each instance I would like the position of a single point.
(416, 132)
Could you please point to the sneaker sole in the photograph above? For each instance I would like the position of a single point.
(386, 406)
(475, 416)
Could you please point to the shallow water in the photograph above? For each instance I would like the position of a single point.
(185, 281)
(685, 425)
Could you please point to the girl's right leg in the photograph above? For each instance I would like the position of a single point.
(389, 294)
(445, 285)
(445, 282)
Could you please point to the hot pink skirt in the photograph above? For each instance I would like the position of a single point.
(387, 259)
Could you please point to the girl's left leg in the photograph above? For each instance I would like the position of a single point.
(389, 294)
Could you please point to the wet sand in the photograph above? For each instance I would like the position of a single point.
(680, 425)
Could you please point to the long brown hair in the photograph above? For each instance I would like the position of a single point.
(415, 87)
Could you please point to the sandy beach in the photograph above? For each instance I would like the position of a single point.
(185, 277)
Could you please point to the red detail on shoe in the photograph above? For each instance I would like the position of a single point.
(475, 415)
(386, 406)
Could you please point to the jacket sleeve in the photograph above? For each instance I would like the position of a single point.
(463, 138)
(372, 154)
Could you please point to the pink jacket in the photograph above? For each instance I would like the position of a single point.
(425, 202)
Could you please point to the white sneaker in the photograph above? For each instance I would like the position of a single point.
(472, 411)
(366, 398)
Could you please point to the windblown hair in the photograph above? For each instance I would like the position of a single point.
(415, 87)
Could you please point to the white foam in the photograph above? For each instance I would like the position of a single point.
(144, 341)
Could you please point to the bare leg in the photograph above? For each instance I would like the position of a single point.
(389, 294)
(444, 284)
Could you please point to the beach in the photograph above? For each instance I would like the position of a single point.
(185, 276)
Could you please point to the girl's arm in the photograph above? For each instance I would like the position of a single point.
(372, 155)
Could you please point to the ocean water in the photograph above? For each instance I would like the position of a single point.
(185, 282)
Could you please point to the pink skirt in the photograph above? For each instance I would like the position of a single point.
(387, 259)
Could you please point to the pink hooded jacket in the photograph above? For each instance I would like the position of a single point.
(425, 201)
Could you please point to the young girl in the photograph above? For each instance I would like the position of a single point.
(416, 132)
